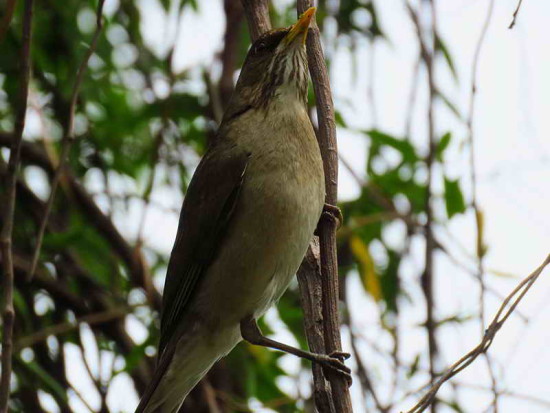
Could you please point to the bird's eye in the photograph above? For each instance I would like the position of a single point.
(260, 47)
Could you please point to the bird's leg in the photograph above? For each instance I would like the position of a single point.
(333, 213)
(250, 331)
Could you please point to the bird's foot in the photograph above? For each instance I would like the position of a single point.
(333, 361)
(333, 213)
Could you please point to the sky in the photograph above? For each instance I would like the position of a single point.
(512, 145)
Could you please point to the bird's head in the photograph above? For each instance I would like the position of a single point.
(276, 66)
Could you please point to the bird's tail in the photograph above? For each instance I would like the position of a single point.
(182, 365)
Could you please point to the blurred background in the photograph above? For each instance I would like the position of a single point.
(403, 75)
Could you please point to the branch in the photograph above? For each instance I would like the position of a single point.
(327, 227)
(427, 279)
(515, 15)
(257, 15)
(68, 326)
(8, 315)
(477, 211)
(234, 16)
(68, 138)
(309, 276)
(504, 311)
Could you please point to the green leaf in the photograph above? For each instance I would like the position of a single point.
(441, 47)
(406, 149)
(452, 107)
(339, 119)
(442, 145)
(454, 200)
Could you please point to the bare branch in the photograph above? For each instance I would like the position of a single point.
(309, 281)
(515, 15)
(257, 14)
(504, 311)
(427, 55)
(8, 314)
(326, 137)
(68, 138)
(477, 211)
(68, 326)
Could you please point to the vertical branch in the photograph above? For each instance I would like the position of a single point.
(8, 314)
(515, 15)
(428, 276)
(427, 55)
(475, 205)
(67, 140)
(327, 228)
(257, 15)
(234, 17)
(309, 276)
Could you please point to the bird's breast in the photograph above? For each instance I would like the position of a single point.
(278, 209)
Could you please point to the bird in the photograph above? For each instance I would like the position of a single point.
(249, 214)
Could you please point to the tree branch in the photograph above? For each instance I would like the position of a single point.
(257, 15)
(427, 281)
(327, 229)
(8, 314)
(309, 281)
(515, 15)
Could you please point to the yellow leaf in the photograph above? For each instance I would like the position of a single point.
(370, 280)
(480, 226)
(503, 274)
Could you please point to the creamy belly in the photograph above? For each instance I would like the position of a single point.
(278, 209)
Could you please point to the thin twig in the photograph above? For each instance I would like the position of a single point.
(515, 15)
(427, 276)
(66, 327)
(8, 313)
(505, 310)
(68, 138)
(477, 211)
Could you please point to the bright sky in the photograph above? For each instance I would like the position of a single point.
(512, 129)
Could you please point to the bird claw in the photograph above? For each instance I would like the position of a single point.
(340, 355)
(334, 362)
(334, 213)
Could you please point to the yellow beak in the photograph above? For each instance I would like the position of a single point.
(301, 26)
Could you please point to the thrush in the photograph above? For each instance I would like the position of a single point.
(248, 216)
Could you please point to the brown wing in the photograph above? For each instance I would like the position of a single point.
(206, 212)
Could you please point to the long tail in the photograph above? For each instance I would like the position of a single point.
(182, 365)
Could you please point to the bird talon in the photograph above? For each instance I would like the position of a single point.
(334, 213)
(340, 355)
(333, 363)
